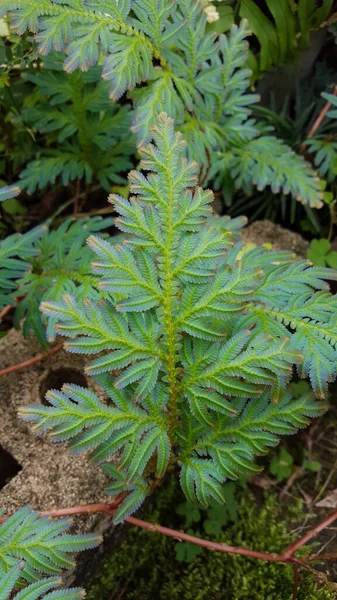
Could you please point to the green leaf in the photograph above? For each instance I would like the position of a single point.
(317, 251)
(322, 13)
(131, 503)
(312, 465)
(186, 552)
(13, 207)
(306, 10)
(285, 27)
(264, 31)
(331, 259)
(281, 465)
(191, 513)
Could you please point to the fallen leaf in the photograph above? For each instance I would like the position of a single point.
(330, 501)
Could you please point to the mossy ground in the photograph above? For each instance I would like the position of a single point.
(145, 566)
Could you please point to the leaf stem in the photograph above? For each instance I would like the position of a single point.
(168, 311)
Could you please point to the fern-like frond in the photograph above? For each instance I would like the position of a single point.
(324, 151)
(9, 191)
(195, 339)
(266, 161)
(78, 415)
(91, 131)
(46, 588)
(199, 79)
(16, 251)
(42, 545)
(61, 265)
(294, 299)
(69, 166)
(227, 450)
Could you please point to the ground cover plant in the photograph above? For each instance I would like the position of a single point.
(195, 347)
(193, 337)
(197, 334)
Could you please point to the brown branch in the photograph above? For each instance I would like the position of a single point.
(319, 120)
(288, 556)
(31, 361)
(321, 557)
(218, 546)
(110, 509)
(101, 211)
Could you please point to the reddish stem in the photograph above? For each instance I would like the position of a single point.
(286, 557)
(185, 537)
(5, 311)
(319, 120)
(31, 361)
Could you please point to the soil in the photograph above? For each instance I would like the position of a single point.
(262, 232)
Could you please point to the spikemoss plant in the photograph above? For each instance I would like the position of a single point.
(195, 341)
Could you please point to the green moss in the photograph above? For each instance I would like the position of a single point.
(144, 566)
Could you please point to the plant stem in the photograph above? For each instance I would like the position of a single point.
(319, 120)
(31, 361)
(168, 310)
(6, 310)
(209, 545)
(288, 556)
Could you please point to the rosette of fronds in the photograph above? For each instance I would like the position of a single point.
(84, 135)
(198, 78)
(196, 340)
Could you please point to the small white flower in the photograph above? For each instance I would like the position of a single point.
(211, 13)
